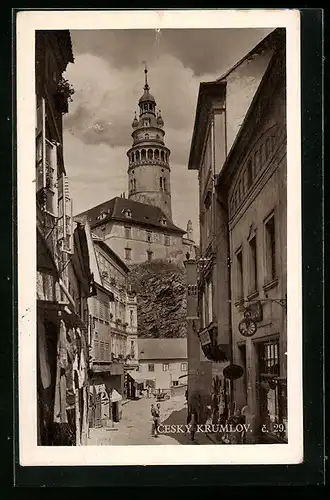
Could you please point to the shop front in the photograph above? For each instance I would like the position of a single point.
(62, 376)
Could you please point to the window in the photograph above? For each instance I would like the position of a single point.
(127, 212)
(65, 220)
(149, 236)
(149, 255)
(253, 264)
(167, 240)
(272, 389)
(209, 302)
(239, 267)
(127, 232)
(164, 183)
(184, 367)
(166, 367)
(161, 183)
(128, 253)
(151, 367)
(46, 164)
(175, 383)
(131, 317)
(203, 309)
(270, 249)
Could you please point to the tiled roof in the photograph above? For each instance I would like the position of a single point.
(162, 349)
(140, 213)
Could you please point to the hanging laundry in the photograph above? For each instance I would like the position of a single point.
(62, 350)
(42, 354)
(60, 415)
(75, 373)
(82, 370)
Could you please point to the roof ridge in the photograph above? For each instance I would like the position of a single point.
(246, 57)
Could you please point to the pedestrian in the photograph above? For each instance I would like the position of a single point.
(193, 423)
(155, 413)
(156, 417)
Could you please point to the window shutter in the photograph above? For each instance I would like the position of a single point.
(41, 145)
(65, 219)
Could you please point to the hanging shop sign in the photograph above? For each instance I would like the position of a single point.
(204, 338)
(254, 312)
(247, 327)
(233, 372)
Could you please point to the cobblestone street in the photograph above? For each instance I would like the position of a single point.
(135, 425)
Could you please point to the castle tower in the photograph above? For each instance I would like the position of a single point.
(149, 169)
(190, 233)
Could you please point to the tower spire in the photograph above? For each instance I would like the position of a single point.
(146, 86)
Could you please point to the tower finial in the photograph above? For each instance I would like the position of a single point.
(146, 86)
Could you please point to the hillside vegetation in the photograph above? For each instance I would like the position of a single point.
(161, 296)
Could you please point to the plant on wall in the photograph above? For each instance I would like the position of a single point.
(65, 88)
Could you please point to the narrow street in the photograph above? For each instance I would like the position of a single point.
(135, 425)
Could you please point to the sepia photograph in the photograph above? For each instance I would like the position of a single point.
(164, 195)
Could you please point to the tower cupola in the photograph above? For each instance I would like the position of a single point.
(149, 167)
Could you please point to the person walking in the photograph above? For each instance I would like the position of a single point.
(193, 423)
(155, 413)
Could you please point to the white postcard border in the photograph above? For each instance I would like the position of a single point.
(30, 454)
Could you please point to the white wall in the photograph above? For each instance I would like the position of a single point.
(242, 84)
(163, 379)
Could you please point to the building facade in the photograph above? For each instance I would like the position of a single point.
(113, 332)
(140, 228)
(255, 186)
(225, 286)
(64, 280)
(200, 367)
(163, 363)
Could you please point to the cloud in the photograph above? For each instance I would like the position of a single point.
(108, 80)
(201, 50)
(105, 98)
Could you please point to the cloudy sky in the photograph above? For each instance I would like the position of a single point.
(108, 79)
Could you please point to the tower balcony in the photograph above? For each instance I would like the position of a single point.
(150, 141)
(139, 163)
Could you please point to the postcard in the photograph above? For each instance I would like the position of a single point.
(159, 237)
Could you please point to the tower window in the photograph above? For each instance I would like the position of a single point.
(156, 154)
(167, 240)
(162, 155)
(137, 155)
(146, 136)
(161, 183)
(150, 154)
(127, 233)
(143, 154)
(164, 183)
(149, 236)
(128, 253)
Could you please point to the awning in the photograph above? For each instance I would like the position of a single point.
(115, 396)
(137, 377)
